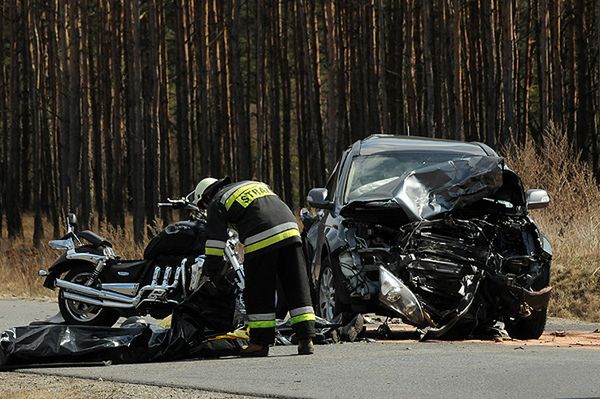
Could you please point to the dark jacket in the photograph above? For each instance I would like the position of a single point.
(262, 220)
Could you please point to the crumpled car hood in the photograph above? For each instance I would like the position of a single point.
(435, 189)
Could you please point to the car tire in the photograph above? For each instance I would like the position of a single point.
(529, 328)
(328, 303)
(78, 313)
(533, 326)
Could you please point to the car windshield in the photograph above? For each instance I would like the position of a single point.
(370, 172)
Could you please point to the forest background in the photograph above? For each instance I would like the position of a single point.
(108, 106)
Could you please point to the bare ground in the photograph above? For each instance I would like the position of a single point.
(35, 386)
(560, 338)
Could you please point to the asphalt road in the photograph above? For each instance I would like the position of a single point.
(374, 370)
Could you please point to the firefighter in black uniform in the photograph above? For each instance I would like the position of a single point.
(272, 247)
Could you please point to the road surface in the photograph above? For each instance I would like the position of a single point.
(374, 370)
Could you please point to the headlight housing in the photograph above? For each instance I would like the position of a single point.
(397, 296)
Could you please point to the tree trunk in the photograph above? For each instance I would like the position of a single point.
(507, 70)
(457, 69)
(135, 126)
(244, 154)
(380, 29)
(543, 74)
(34, 80)
(331, 133)
(74, 108)
(84, 67)
(583, 112)
(13, 203)
(182, 94)
(428, 64)
(409, 73)
(287, 107)
(555, 57)
(490, 71)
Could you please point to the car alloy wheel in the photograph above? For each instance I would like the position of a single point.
(327, 294)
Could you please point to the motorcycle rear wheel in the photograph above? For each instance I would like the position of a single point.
(79, 313)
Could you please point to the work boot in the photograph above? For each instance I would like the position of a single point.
(305, 346)
(255, 350)
(352, 330)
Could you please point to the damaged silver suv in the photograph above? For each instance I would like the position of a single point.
(434, 232)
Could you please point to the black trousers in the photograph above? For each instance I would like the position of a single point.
(262, 271)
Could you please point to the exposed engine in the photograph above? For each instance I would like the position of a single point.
(460, 268)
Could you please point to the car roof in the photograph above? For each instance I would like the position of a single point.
(381, 143)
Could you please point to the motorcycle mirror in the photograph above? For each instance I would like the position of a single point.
(190, 197)
(304, 214)
(72, 219)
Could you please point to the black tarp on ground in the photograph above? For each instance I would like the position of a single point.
(197, 331)
(207, 313)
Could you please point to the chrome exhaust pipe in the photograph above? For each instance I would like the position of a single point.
(128, 289)
(94, 293)
(97, 302)
(93, 296)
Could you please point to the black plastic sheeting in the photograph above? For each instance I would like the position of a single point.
(205, 314)
(198, 330)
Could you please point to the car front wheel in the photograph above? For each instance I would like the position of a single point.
(326, 298)
(529, 328)
(329, 305)
(533, 326)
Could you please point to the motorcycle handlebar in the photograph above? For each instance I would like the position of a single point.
(178, 204)
(173, 203)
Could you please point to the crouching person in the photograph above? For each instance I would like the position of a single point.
(272, 247)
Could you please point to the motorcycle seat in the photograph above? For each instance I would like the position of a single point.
(95, 239)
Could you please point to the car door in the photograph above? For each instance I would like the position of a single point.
(328, 228)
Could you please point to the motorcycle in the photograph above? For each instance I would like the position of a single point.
(96, 286)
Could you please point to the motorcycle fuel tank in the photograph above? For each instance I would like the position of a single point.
(177, 239)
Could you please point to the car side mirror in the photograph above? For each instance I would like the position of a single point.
(317, 198)
(537, 199)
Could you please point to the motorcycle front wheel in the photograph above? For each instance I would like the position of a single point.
(79, 313)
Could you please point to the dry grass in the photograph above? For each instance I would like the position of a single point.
(20, 261)
(571, 222)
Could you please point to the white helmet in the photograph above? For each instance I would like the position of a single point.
(201, 188)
